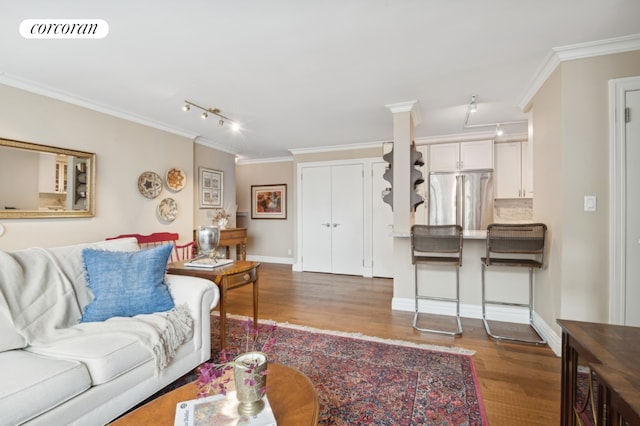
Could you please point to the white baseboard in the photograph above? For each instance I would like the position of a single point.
(270, 259)
(553, 339)
(496, 313)
(297, 267)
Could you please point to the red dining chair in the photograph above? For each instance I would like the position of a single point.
(179, 252)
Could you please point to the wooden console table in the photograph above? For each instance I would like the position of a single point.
(234, 237)
(234, 275)
(612, 352)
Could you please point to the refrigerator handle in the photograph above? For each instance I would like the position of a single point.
(460, 200)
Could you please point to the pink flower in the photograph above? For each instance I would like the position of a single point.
(211, 379)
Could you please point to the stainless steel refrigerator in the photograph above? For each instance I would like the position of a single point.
(463, 198)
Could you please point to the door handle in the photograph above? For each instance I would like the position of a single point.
(326, 224)
(335, 225)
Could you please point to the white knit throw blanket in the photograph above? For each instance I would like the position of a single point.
(39, 297)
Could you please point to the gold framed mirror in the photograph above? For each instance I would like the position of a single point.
(40, 181)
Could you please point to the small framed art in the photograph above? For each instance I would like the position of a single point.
(269, 201)
(211, 188)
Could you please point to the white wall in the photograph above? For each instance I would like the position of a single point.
(210, 158)
(268, 239)
(570, 131)
(123, 151)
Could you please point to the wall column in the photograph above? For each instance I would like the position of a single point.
(405, 118)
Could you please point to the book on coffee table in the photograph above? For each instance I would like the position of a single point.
(207, 263)
(220, 410)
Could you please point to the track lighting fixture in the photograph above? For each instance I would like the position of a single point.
(215, 111)
(473, 107)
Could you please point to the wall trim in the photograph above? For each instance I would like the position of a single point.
(571, 52)
(246, 161)
(617, 199)
(469, 137)
(211, 144)
(407, 106)
(347, 147)
(271, 259)
(69, 98)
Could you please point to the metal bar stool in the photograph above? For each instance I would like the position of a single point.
(437, 244)
(514, 239)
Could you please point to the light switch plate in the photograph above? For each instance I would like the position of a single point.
(590, 203)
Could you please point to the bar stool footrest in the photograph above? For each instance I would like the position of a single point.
(458, 332)
(540, 341)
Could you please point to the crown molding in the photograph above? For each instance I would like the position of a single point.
(408, 106)
(59, 95)
(598, 48)
(242, 162)
(472, 136)
(212, 144)
(572, 52)
(347, 147)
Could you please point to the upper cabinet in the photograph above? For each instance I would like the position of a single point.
(52, 176)
(449, 157)
(514, 178)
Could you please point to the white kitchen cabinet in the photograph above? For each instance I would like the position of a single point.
(513, 172)
(332, 219)
(527, 169)
(52, 177)
(448, 157)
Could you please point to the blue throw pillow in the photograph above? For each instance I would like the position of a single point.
(125, 284)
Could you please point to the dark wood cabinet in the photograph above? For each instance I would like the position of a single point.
(612, 352)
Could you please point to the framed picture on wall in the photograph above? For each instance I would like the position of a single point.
(211, 187)
(269, 201)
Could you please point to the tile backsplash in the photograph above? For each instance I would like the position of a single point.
(513, 210)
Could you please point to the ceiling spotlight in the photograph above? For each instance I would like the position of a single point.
(499, 131)
(186, 107)
(235, 127)
(204, 115)
(473, 107)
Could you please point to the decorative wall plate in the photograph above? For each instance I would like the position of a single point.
(150, 184)
(175, 179)
(168, 209)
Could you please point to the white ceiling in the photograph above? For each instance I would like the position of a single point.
(301, 74)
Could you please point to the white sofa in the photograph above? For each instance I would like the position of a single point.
(93, 379)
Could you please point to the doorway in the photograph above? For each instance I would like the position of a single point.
(624, 108)
(332, 218)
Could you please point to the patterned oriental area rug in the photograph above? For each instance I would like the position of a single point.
(370, 381)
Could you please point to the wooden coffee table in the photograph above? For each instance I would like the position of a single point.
(293, 399)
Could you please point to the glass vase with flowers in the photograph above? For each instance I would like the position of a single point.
(249, 369)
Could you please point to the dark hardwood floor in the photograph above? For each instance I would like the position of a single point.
(520, 384)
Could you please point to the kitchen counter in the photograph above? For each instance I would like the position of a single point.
(474, 234)
(466, 235)
(509, 284)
